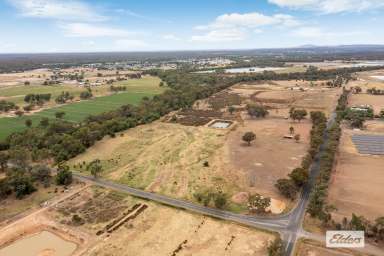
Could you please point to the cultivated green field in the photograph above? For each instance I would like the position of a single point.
(78, 111)
(16, 94)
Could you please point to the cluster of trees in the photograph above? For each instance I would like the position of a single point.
(64, 97)
(375, 91)
(297, 114)
(208, 197)
(86, 94)
(6, 106)
(258, 111)
(299, 176)
(38, 99)
(117, 88)
(340, 80)
(373, 230)
(22, 179)
(309, 75)
(258, 203)
(276, 248)
(357, 118)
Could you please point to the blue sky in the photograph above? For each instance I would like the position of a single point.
(147, 25)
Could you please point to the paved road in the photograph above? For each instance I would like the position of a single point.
(288, 225)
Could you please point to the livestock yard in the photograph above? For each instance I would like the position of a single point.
(182, 155)
(95, 221)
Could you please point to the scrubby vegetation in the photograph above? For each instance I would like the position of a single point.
(6, 106)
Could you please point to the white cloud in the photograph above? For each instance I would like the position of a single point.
(171, 37)
(55, 9)
(222, 35)
(130, 44)
(249, 20)
(331, 6)
(236, 26)
(90, 30)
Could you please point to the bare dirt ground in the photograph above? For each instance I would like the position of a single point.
(357, 182)
(270, 157)
(160, 230)
(113, 223)
(39, 221)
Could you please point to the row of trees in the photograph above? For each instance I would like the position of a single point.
(375, 91)
(299, 176)
(318, 206)
(208, 197)
(38, 99)
(117, 88)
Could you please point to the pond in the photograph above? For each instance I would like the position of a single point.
(221, 124)
(378, 77)
(43, 243)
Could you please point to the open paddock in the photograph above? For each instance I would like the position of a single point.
(376, 101)
(270, 157)
(357, 181)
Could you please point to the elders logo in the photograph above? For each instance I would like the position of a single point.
(345, 239)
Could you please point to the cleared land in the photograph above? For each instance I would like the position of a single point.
(376, 101)
(165, 158)
(357, 182)
(78, 111)
(270, 157)
(181, 160)
(112, 223)
(306, 247)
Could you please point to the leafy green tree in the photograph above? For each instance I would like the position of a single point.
(357, 223)
(220, 200)
(64, 175)
(41, 173)
(4, 157)
(248, 137)
(28, 123)
(22, 185)
(258, 203)
(287, 188)
(299, 176)
(257, 110)
(59, 114)
(276, 248)
(95, 168)
(5, 188)
(231, 109)
(378, 228)
(44, 122)
(298, 114)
